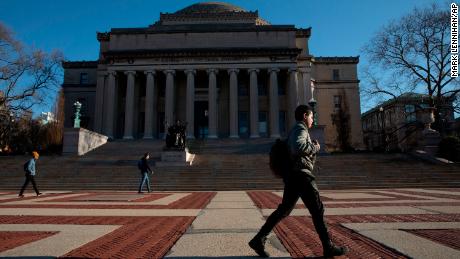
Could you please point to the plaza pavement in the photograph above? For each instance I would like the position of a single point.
(373, 223)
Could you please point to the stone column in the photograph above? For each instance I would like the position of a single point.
(109, 119)
(274, 104)
(233, 102)
(169, 98)
(149, 104)
(190, 103)
(293, 96)
(306, 85)
(99, 109)
(129, 105)
(212, 103)
(253, 104)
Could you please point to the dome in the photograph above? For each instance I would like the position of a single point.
(210, 7)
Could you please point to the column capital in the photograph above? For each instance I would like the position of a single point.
(304, 70)
(256, 70)
(130, 72)
(102, 73)
(292, 69)
(147, 72)
(233, 70)
(112, 73)
(169, 71)
(192, 71)
(275, 70)
(212, 70)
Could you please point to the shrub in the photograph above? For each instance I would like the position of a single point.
(449, 148)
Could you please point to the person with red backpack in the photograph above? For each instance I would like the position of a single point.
(29, 168)
(299, 182)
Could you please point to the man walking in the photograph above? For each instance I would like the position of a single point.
(299, 182)
(145, 169)
(29, 168)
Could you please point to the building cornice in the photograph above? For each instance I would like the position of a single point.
(336, 60)
(80, 64)
(303, 33)
(103, 36)
(200, 28)
(205, 52)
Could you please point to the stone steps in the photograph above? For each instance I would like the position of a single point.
(241, 165)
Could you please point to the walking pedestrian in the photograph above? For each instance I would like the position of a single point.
(299, 182)
(144, 167)
(30, 172)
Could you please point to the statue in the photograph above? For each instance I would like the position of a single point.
(76, 122)
(175, 138)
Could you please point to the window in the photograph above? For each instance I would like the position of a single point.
(243, 123)
(242, 90)
(282, 122)
(84, 78)
(424, 105)
(337, 102)
(262, 89)
(263, 123)
(281, 89)
(410, 113)
(335, 74)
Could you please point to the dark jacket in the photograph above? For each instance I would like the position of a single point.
(144, 165)
(303, 151)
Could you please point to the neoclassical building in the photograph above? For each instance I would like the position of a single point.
(223, 70)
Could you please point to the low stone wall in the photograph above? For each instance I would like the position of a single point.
(79, 141)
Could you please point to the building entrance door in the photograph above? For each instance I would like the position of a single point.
(201, 119)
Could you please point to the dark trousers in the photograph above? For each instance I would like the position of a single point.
(298, 185)
(29, 178)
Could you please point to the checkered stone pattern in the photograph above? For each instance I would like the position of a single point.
(396, 223)
(96, 224)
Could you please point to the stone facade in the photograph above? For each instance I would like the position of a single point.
(225, 71)
(397, 124)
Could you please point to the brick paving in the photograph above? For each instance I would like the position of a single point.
(12, 239)
(153, 236)
(447, 237)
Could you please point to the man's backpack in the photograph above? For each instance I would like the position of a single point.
(280, 159)
(26, 166)
(139, 164)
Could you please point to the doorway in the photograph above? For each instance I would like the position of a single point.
(201, 119)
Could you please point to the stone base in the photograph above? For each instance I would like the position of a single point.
(79, 141)
(429, 142)
(176, 158)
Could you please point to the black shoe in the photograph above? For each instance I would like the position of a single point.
(140, 192)
(334, 251)
(258, 245)
(38, 194)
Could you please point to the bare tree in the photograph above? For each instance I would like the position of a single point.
(25, 74)
(26, 78)
(412, 54)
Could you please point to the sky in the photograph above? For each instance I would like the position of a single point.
(339, 27)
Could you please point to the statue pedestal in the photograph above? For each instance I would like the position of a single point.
(429, 141)
(175, 157)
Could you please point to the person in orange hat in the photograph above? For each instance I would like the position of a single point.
(29, 168)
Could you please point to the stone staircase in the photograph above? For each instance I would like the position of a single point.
(221, 165)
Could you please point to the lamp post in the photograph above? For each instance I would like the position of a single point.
(10, 131)
(382, 124)
(76, 122)
(313, 103)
